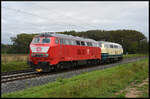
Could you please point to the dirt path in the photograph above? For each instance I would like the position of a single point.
(136, 90)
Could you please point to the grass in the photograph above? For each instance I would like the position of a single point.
(14, 62)
(100, 83)
(121, 95)
(14, 66)
(13, 57)
(134, 55)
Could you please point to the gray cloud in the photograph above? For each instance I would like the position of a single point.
(31, 17)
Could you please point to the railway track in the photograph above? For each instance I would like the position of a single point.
(16, 72)
(20, 76)
(9, 78)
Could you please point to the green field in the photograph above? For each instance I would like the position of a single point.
(99, 83)
(13, 62)
(134, 55)
(14, 57)
(14, 66)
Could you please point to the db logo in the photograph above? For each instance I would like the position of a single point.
(38, 49)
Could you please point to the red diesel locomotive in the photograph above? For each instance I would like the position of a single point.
(56, 51)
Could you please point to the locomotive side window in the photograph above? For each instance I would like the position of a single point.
(46, 40)
(94, 44)
(72, 42)
(111, 46)
(82, 43)
(97, 45)
(106, 46)
(100, 45)
(36, 40)
(119, 46)
(78, 42)
(61, 41)
(115, 46)
(89, 44)
(56, 40)
(67, 42)
(85, 43)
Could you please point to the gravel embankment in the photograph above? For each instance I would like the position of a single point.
(27, 83)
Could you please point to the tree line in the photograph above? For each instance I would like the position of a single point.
(132, 41)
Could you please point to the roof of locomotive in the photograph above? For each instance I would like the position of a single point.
(106, 42)
(53, 34)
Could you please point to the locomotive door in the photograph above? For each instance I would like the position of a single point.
(58, 52)
(66, 49)
(61, 50)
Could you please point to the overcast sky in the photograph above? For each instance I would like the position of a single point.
(32, 17)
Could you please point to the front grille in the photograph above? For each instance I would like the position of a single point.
(38, 55)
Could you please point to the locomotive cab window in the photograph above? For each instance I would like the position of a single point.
(46, 40)
(36, 40)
